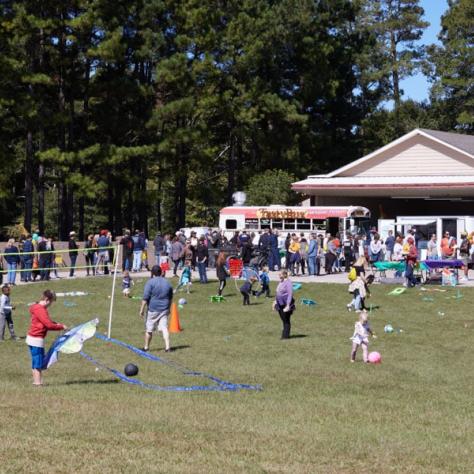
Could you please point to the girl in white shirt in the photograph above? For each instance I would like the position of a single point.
(360, 338)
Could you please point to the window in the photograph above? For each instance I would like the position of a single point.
(289, 224)
(303, 224)
(251, 223)
(277, 224)
(264, 223)
(319, 224)
(231, 224)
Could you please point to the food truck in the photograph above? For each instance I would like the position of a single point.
(306, 219)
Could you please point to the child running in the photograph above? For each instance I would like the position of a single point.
(360, 337)
(6, 309)
(127, 284)
(185, 279)
(40, 325)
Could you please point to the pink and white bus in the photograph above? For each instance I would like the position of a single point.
(305, 219)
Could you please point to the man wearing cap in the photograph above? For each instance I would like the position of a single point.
(73, 248)
(157, 296)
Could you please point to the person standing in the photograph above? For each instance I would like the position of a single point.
(389, 244)
(45, 251)
(274, 251)
(6, 310)
(347, 246)
(73, 248)
(284, 303)
(40, 325)
(448, 245)
(103, 244)
(375, 248)
(89, 245)
(432, 248)
(410, 263)
(202, 256)
(12, 257)
(159, 245)
(138, 246)
(127, 256)
(28, 254)
(157, 297)
(221, 272)
(177, 252)
(313, 268)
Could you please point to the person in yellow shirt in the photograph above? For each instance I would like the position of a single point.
(294, 251)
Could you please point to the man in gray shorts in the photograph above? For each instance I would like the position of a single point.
(157, 296)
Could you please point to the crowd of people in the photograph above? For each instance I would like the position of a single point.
(34, 257)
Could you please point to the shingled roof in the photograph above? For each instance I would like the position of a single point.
(458, 140)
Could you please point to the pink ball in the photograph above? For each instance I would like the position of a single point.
(375, 358)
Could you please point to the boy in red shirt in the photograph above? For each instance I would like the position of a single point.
(40, 325)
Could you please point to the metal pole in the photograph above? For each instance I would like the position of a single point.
(117, 258)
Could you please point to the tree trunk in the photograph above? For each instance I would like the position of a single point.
(29, 180)
(41, 198)
(231, 171)
(81, 219)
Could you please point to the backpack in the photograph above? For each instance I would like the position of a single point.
(352, 275)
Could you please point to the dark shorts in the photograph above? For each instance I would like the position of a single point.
(37, 355)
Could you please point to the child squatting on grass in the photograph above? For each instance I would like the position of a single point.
(360, 337)
(40, 325)
(6, 309)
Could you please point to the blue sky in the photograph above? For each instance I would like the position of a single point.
(417, 87)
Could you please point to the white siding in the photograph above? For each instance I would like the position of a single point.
(418, 156)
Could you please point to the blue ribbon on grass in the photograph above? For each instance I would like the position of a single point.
(221, 385)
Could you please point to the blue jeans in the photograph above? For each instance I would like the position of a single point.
(11, 267)
(73, 259)
(275, 259)
(202, 272)
(312, 265)
(137, 260)
(28, 264)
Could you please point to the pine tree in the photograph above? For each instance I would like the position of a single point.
(453, 65)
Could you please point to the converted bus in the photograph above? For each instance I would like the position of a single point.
(306, 219)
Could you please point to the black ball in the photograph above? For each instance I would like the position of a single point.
(131, 370)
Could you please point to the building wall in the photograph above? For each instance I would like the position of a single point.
(418, 156)
(391, 208)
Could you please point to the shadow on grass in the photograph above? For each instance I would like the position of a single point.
(85, 382)
(297, 336)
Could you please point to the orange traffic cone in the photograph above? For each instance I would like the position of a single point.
(174, 321)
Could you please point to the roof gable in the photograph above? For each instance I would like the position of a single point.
(419, 152)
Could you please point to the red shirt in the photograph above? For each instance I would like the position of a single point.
(41, 322)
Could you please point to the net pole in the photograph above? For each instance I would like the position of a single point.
(117, 258)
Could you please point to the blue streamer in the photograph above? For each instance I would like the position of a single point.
(221, 385)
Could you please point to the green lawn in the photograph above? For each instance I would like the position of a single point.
(316, 412)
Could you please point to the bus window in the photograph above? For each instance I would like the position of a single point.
(265, 224)
(251, 223)
(277, 224)
(231, 224)
(303, 224)
(319, 224)
(289, 224)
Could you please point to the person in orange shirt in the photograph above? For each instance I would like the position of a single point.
(447, 246)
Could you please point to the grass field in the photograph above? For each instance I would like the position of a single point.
(316, 412)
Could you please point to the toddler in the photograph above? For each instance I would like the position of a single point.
(6, 314)
(265, 283)
(127, 284)
(246, 289)
(360, 337)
